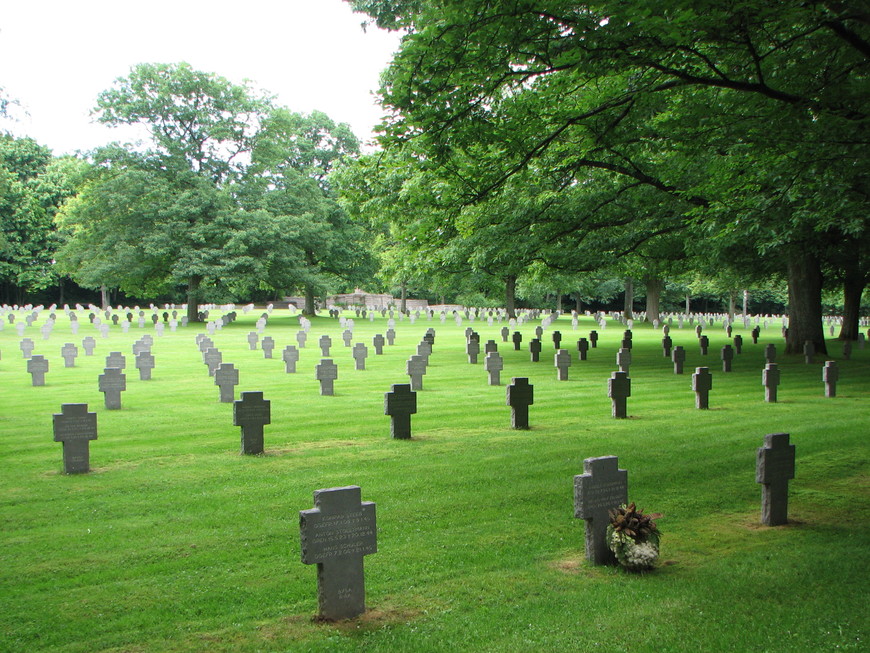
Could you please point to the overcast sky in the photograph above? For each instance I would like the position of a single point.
(57, 55)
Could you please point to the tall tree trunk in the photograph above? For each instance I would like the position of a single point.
(732, 304)
(688, 304)
(628, 306)
(745, 303)
(403, 303)
(104, 297)
(853, 287)
(193, 298)
(578, 303)
(309, 301)
(654, 287)
(558, 301)
(510, 295)
(804, 302)
(60, 287)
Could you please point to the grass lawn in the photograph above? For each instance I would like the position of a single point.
(176, 542)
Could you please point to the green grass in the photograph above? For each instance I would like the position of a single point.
(175, 542)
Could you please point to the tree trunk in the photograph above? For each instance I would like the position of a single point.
(104, 297)
(404, 299)
(627, 310)
(510, 296)
(745, 304)
(654, 287)
(853, 288)
(578, 303)
(60, 287)
(193, 298)
(732, 304)
(309, 301)
(558, 301)
(804, 302)
(688, 304)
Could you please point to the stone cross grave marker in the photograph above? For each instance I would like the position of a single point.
(326, 372)
(360, 353)
(290, 356)
(252, 413)
(539, 331)
(226, 378)
(593, 339)
(378, 344)
(756, 332)
(809, 352)
(770, 353)
(490, 347)
(678, 356)
(704, 342)
(667, 344)
(493, 364)
(505, 332)
(416, 368)
(562, 361)
(472, 350)
(702, 383)
(325, 343)
(623, 359)
(619, 390)
(112, 382)
(88, 344)
(830, 375)
(27, 347)
(738, 344)
(69, 352)
(75, 427)
(37, 366)
(535, 349)
(347, 336)
(253, 339)
(400, 403)
(116, 359)
(145, 363)
(583, 348)
(727, 357)
(391, 336)
(335, 535)
(520, 395)
(424, 349)
(774, 467)
(212, 357)
(301, 336)
(601, 488)
(267, 344)
(557, 339)
(517, 340)
(770, 381)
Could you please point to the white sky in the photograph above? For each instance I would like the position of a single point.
(57, 55)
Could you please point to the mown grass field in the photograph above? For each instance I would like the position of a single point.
(176, 542)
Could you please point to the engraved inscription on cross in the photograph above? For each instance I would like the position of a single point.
(400, 404)
(599, 490)
(252, 413)
(774, 468)
(335, 535)
(75, 427)
(520, 395)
